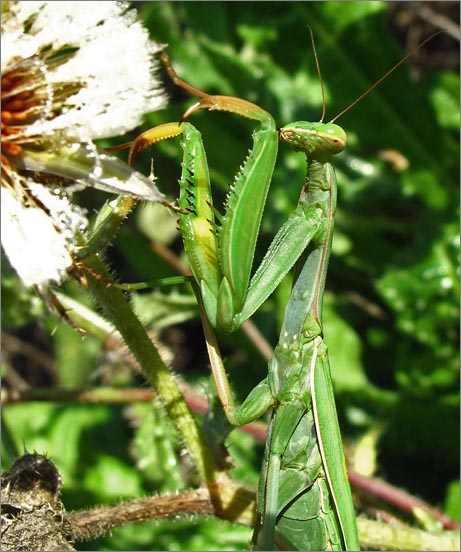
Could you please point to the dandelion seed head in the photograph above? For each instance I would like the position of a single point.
(108, 57)
(71, 73)
(30, 237)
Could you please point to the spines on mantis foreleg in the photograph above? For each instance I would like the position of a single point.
(196, 213)
(196, 219)
(244, 207)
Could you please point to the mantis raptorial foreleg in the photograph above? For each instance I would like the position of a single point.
(221, 253)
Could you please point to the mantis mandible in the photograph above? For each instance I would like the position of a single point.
(304, 499)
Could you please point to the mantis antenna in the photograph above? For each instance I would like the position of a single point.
(384, 76)
(319, 73)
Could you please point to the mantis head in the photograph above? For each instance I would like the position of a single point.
(316, 140)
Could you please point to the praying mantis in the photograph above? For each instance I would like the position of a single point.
(304, 499)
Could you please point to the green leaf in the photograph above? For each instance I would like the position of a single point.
(452, 500)
(155, 452)
(111, 480)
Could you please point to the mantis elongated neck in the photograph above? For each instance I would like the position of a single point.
(305, 304)
(321, 181)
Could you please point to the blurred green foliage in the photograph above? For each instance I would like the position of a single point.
(392, 300)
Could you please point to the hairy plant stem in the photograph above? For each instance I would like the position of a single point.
(375, 535)
(120, 313)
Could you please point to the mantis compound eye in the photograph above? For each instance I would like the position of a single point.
(334, 136)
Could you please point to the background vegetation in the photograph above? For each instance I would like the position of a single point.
(391, 305)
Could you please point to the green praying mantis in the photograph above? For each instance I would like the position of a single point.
(304, 500)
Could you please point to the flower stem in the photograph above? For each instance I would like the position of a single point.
(119, 311)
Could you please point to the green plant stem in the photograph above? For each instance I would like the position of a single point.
(119, 312)
(375, 535)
